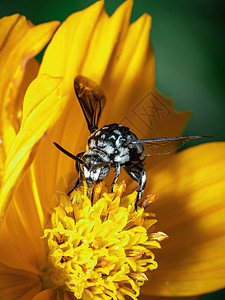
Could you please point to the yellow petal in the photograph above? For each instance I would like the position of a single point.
(20, 247)
(108, 36)
(42, 107)
(18, 284)
(131, 73)
(30, 74)
(190, 208)
(67, 51)
(48, 294)
(19, 42)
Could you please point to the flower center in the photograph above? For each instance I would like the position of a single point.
(101, 250)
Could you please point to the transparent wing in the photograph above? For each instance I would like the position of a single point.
(91, 98)
(165, 145)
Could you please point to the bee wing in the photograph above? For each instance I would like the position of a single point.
(164, 145)
(91, 98)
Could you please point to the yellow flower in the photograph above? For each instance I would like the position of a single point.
(190, 207)
(100, 251)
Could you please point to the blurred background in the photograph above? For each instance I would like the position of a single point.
(188, 41)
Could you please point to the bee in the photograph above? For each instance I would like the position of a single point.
(113, 145)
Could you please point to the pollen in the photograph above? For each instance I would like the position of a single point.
(100, 250)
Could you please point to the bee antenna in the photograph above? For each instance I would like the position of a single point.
(74, 157)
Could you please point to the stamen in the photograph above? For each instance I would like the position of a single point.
(60, 239)
(139, 276)
(97, 191)
(149, 200)
(136, 221)
(135, 253)
(157, 236)
(121, 189)
(64, 259)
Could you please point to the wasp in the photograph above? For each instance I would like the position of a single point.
(113, 145)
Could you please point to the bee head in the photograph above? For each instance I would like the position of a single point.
(95, 167)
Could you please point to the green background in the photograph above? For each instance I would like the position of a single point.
(188, 41)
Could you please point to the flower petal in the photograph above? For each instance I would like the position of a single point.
(20, 41)
(48, 294)
(67, 51)
(190, 209)
(42, 107)
(20, 247)
(18, 284)
(30, 74)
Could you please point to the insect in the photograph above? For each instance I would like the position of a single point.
(113, 145)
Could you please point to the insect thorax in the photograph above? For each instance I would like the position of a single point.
(114, 142)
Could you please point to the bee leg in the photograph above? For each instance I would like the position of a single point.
(92, 196)
(116, 177)
(78, 183)
(138, 174)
